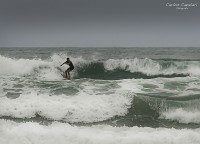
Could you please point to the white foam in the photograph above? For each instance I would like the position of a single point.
(62, 133)
(182, 116)
(147, 66)
(44, 70)
(194, 69)
(80, 108)
(152, 67)
(18, 66)
(131, 85)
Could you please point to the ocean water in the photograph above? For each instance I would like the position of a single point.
(115, 96)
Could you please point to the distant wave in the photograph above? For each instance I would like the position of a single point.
(110, 69)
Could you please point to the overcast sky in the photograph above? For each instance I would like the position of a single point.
(100, 23)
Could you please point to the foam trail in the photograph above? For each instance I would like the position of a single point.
(182, 116)
(41, 69)
(11, 66)
(18, 133)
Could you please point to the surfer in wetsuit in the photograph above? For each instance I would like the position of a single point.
(71, 67)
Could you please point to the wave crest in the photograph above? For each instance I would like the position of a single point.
(99, 69)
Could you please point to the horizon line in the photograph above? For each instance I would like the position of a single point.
(102, 47)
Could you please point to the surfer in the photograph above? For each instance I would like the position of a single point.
(71, 67)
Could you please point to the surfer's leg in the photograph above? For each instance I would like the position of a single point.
(68, 75)
(67, 72)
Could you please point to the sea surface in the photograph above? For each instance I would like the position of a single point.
(115, 96)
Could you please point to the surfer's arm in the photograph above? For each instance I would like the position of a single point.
(63, 63)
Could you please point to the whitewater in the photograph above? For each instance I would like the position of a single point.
(116, 95)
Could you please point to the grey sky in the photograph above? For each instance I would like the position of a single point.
(129, 23)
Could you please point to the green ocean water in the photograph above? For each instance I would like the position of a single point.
(144, 87)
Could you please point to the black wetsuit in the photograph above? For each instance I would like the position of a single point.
(71, 66)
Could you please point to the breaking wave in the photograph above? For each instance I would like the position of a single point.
(110, 69)
(80, 108)
(120, 108)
